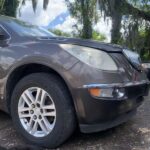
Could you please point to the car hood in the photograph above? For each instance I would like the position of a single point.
(87, 43)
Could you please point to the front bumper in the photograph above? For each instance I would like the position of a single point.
(118, 85)
(100, 114)
(85, 128)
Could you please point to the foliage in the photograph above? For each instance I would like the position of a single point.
(130, 23)
(85, 13)
(2, 5)
(130, 20)
(95, 35)
(34, 4)
(98, 36)
(9, 7)
(60, 33)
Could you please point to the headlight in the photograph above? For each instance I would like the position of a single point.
(134, 58)
(93, 57)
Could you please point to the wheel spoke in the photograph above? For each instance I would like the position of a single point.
(47, 107)
(30, 96)
(27, 101)
(38, 95)
(34, 128)
(23, 109)
(22, 116)
(43, 96)
(53, 113)
(47, 124)
(43, 126)
(30, 124)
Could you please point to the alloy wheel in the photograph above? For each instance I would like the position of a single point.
(37, 112)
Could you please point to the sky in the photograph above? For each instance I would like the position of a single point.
(57, 16)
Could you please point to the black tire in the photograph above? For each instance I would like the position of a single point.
(65, 120)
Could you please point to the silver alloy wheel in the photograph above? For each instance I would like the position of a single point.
(37, 112)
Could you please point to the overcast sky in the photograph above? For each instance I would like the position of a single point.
(57, 16)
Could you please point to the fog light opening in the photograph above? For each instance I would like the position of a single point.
(119, 93)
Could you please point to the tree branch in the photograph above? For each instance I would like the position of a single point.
(129, 9)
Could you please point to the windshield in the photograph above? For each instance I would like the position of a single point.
(25, 29)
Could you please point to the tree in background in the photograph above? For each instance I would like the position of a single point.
(60, 33)
(2, 6)
(85, 13)
(117, 9)
(34, 4)
(95, 34)
(133, 18)
(130, 19)
(9, 7)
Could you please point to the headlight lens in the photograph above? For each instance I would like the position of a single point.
(93, 57)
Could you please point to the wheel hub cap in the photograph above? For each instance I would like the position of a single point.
(37, 112)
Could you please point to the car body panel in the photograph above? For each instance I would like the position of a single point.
(47, 51)
(19, 54)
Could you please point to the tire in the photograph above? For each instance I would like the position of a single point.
(65, 122)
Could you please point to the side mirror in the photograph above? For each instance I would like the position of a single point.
(4, 39)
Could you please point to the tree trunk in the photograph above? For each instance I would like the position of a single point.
(116, 22)
(87, 29)
(116, 26)
(10, 7)
(87, 24)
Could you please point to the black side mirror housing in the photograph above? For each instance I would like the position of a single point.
(4, 40)
(2, 37)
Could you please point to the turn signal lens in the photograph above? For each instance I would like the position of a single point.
(116, 93)
(95, 92)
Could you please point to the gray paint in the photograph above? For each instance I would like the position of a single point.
(26, 50)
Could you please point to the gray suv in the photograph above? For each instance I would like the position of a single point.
(50, 85)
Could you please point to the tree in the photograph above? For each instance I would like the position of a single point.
(116, 9)
(98, 36)
(60, 33)
(95, 34)
(130, 19)
(2, 6)
(34, 4)
(8, 7)
(85, 13)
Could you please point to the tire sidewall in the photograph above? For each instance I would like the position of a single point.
(53, 90)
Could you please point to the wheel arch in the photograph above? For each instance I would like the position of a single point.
(23, 70)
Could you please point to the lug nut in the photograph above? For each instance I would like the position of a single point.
(34, 117)
(31, 111)
(33, 106)
(40, 117)
(38, 105)
(41, 110)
